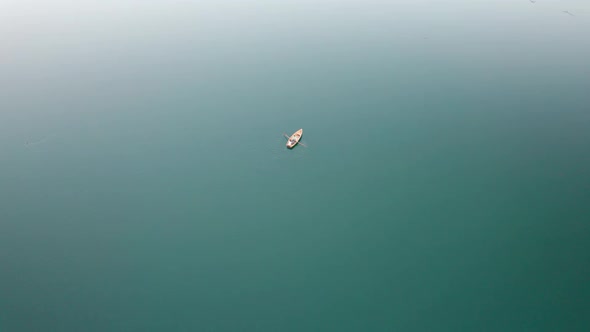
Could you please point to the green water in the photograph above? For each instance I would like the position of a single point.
(145, 184)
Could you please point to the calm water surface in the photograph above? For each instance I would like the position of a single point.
(145, 185)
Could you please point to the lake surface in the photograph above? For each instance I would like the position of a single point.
(145, 184)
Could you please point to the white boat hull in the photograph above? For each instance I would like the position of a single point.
(294, 139)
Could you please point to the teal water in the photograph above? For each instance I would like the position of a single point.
(145, 185)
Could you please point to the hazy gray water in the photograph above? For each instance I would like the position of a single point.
(145, 185)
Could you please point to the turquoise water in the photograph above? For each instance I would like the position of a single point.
(145, 183)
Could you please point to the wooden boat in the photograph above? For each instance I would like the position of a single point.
(294, 139)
